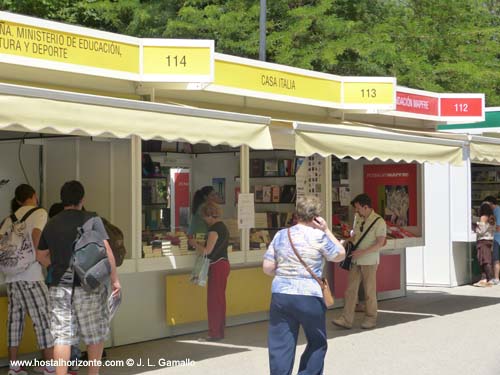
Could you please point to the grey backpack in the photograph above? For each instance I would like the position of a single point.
(90, 260)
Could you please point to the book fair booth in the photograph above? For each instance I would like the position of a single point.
(144, 123)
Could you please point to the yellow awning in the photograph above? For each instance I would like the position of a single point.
(357, 141)
(49, 111)
(485, 149)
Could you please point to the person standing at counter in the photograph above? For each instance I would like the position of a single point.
(496, 239)
(201, 196)
(365, 260)
(216, 250)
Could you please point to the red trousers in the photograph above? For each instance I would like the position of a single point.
(216, 297)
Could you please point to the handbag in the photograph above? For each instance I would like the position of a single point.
(199, 275)
(349, 247)
(323, 283)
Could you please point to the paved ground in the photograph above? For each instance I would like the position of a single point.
(432, 331)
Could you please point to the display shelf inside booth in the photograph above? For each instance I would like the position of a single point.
(273, 183)
(293, 203)
(485, 181)
(237, 178)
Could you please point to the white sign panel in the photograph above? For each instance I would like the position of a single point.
(246, 211)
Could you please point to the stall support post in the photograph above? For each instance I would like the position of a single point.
(327, 210)
(136, 184)
(245, 188)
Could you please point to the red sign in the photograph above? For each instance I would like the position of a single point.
(181, 183)
(424, 105)
(462, 107)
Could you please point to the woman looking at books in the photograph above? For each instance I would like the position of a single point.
(198, 225)
(297, 298)
(216, 250)
(485, 229)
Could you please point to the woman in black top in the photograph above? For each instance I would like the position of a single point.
(216, 250)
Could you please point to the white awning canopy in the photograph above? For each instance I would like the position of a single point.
(358, 141)
(485, 149)
(59, 112)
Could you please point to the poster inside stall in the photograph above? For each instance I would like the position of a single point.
(308, 176)
(393, 190)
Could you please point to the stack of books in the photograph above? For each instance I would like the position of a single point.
(166, 248)
(183, 244)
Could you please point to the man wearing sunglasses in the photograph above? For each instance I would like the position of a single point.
(365, 260)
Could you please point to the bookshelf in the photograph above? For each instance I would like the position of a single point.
(485, 180)
(272, 180)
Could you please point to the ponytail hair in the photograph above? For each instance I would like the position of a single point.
(200, 197)
(23, 192)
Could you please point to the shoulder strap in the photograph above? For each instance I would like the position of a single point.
(320, 282)
(88, 219)
(27, 214)
(364, 234)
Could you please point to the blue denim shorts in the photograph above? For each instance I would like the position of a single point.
(495, 257)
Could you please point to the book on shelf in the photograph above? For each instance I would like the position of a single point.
(260, 220)
(256, 167)
(285, 167)
(270, 167)
(272, 219)
(276, 220)
(288, 194)
(266, 194)
(275, 193)
(154, 191)
(281, 168)
(491, 176)
(258, 193)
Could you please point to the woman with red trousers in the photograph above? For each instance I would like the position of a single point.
(216, 250)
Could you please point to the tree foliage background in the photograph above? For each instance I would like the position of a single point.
(436, 45)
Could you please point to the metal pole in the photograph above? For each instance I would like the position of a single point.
(262, 28)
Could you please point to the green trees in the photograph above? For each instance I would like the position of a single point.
(436, 45)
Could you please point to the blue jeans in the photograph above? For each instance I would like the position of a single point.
(287, 313)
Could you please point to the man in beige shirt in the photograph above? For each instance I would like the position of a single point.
(365, 260)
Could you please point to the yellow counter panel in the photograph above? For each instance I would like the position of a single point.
(28, 343)
(248, 291)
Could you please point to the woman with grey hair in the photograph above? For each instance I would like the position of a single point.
(297, 298)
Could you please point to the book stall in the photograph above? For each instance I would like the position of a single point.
(110, 123)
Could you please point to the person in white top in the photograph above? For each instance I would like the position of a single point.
(26, 290)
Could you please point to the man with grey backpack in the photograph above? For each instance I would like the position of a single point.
(75, 244)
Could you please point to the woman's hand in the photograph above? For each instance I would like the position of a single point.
(192, 242)
(320, 223)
